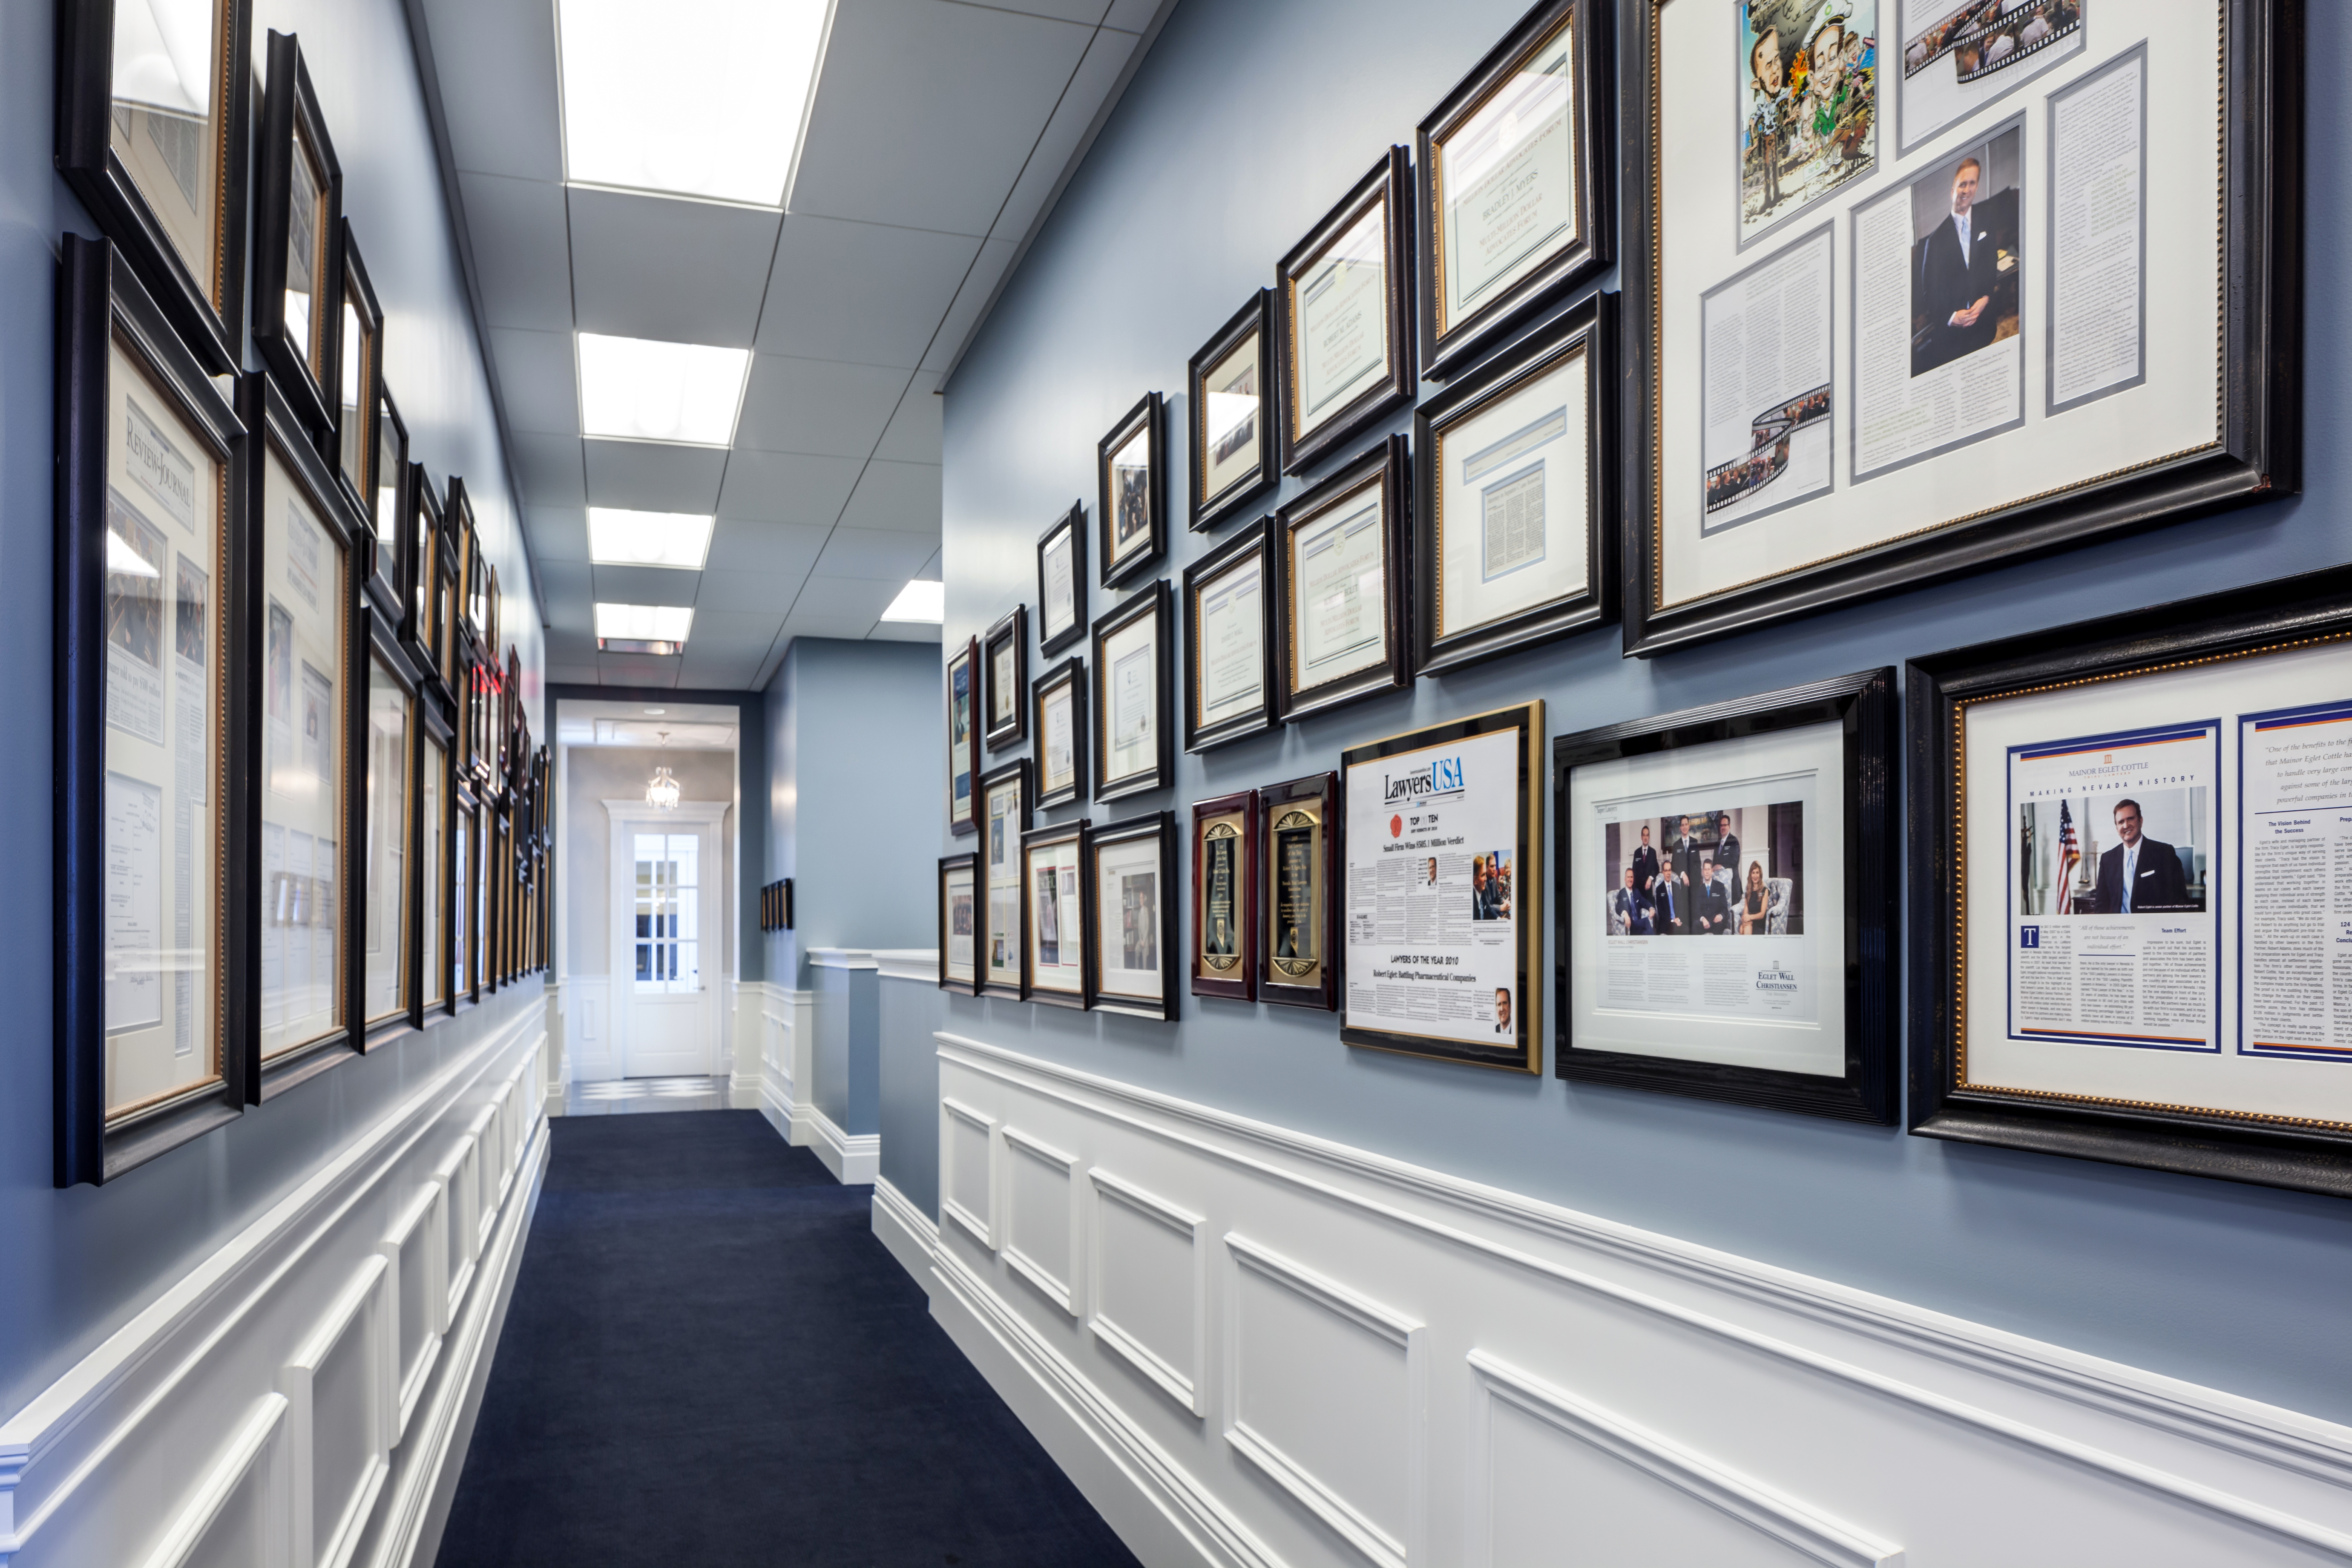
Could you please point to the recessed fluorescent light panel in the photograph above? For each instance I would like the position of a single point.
(643, 628)
(617, 537)
(692, 98)
(634, 389)
(919, 600)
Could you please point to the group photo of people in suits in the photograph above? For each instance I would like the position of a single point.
(1965, 257)
(1731, 872)
(2143, 853)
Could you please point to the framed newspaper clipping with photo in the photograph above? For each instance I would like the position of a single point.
(1004, 808)
(1725, 883)
(1915, 288)
(1059, 915)
(963, 737)
(959, 923)
(2129, 847)
(1130, 872)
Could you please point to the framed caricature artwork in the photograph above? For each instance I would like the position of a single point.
(1225, 897)
(1131, 492)
(1058, 915)
(1298, 953)
(1937, 284)
(299, 219)
(1062, 581)
(1004, 805)
(1229, 641)
(1133, 732)
(1345, 297)
(1059, 700)
(1004, 683)
(1229, 387)
(1339, 586)
(963, 737)
(959, 923)
(1130, 874)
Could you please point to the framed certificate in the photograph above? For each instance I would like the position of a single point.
(959, 923)
(1726, 885)
(1339, 586)
(391, 515)
(1513, 181)
(1346, 302)
(1131, 883)
(1004, 685)
(1230, 388)
(295, 289)
(1058, 916)
(1229, 641)
(2129, 900)
(1132, 489)
(1226, 896)
(964, 736)
(1298, 948)
(1938, 285)
(1062, 581)
(1004, 807)
(1134, 749)
(1444, 911)
(1059, 698)
(1516, 476)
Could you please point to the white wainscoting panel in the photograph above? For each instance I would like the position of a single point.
(787, 1060)
(1041, 1217)
(417, 1250)
(587, 1013)
(1292, 1352)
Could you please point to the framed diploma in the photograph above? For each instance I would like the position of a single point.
(1346, 302)
(1229, 641)
(1059, 698)
(1005, 804)
(1062, 581)
(2129, 903)
(1005, 662)
(1229, 385)
(1725, 884)
(299, 215)
(963, 737)
(1518, 542)
(1298, 949)
(1938, 285)
(1131, 491)
(1226, 896)
(1340, 582)
(959, 923)
(1513, 180)
(1131, 885)
(1134, 745)
(1058, 917)
(1443, 934)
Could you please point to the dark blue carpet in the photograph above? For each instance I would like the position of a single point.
(710, 1361)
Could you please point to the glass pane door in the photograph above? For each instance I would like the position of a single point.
(668, 923)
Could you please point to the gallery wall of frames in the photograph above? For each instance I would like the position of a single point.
(1896, 305)
(299, 809)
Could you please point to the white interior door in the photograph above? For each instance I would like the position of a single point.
(667, 947)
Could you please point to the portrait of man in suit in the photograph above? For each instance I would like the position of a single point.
(1686, 852)
(1503, 1010)
(1727, 844)
(1712, 901)
(1646, 862)
(1964, 264)
(1667, 896)
(2139, 874)
(1629, 908)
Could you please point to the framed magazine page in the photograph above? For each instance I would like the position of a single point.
(1130, 874)
(1226, 896)
(1345, 297)
(1229, 387)
(1062, 581)
(2128, 838)
(1060, 699)
(1131, 492)
(1058, 915)
(958, 923)
(1914, 288)
(1229, 641)
(963, 737)
(1004, 805)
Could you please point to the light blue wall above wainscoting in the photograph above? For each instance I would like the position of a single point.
(1244, 123)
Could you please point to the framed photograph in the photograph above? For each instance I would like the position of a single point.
(1339, 586)
(1131, 879)
(1346, 337)
(1225, 897)
(1134, 745)
(1444, 942)
(1059, 698)
(2066, 306)
(1299, 956)
(1005, 658)
(152, 138)
(963, 737)
(1229, 641)
(1767, 827)
(959, 923)
(1062, 581)
(387, 476)
(1513, 178)
(1230, 433)
(1004, 805)
(1516, 478)
(296, 229)
(1058, 916)
(2126, 853)
(1132, 488)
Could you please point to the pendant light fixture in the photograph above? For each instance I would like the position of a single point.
(661, 794)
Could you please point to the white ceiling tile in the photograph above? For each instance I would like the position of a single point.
(1097, 73)
(637, 670)
(913, 435)
(830, 620)
(574, 675)
(904, 631)
(979, 288)
(882, 554)
(535, 379)
(932, 569)
(645, 585)
(817, 407)
(763, 549)
(557, 533)
(677, 272)
(904, 496)
(548, 468)
(566, 588)
(495, 66)
(654, 475)
(788, 487)
(707, 672)
(749, 592)
(860, 291)
(522, 255)
(1087, 12)
(1134, 16)
(733, 634)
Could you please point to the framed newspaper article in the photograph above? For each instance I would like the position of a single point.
(1725, 882)
(959, 923)
(1058, 908)
(1914, 288)
(963, 737)
(1005, 805)
(1130, 873)
(2129, 905)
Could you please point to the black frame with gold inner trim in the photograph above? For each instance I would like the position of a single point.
(1389, 466)
(1016, 770)
(1052, 836)
(1073, 521)
(1391, 178)
(968, 654)
(1153, 602)
(1318, 987)
(969, 861)
(1071, 674)
(1210, 512)
(291, 117)
(1159, 828)
(1256, 539)
(1149, 416)
(1011, 631)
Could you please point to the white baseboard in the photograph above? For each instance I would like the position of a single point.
(855, 1159)
(912, 1235)
(793, 1122)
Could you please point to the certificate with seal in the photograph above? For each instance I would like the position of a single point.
(1346, 358)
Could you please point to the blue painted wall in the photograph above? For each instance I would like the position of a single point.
(1247, 121)
(911, 1011)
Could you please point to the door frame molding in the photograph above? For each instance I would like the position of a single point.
(624, 817)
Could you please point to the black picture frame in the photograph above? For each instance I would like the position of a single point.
(963, 753)
(433, 724)
(101, 304)
(1234, 498)
(1054, 836)
(1069, 678)
(2256, 453)
(381, 640)
(1582, 333)
(1312, 802)
(1255, 541)
(1159, 828)
(1447, 347)
(355, 293)
(1070, 526)
(1152, 603)
(1390, 180)
(1234, 817)
(949, 864)
(420, 625)
(1017, 827)
(1148, 418)
(2300, 1153)
(1865, 706)
(391, 517)
(1388, 465)
(1009, 635)
(291, 120)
